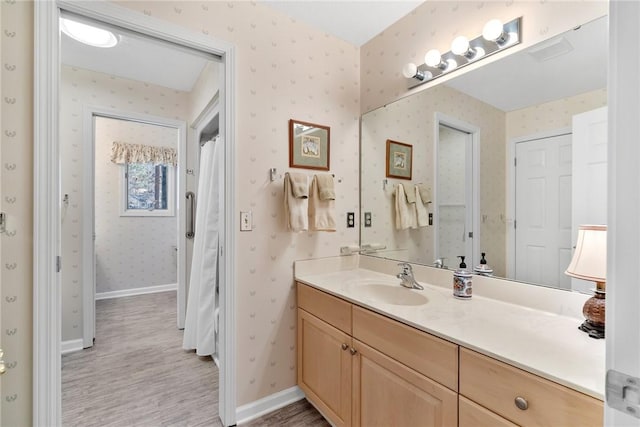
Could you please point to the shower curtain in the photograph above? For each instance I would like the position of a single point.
(201, 321)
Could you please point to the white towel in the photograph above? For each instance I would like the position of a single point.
(421, 210)
(425, 193)
(321, 212)
(295, 209)
(405, 212)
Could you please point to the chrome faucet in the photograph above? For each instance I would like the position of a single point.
(406, 275)
(439, 263)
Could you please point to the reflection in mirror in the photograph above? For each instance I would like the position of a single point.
(527, 215)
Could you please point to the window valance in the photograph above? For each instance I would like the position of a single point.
(122, 152)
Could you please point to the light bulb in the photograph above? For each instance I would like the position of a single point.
(493, 30)
(460, 45)
(433, 58)
(409, 70)
(88, 34)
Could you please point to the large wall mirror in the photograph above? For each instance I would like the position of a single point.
(508, 160)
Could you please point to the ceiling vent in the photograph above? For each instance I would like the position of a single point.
(551, 49)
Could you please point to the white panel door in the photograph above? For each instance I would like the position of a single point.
(543, 210)
(589, 188)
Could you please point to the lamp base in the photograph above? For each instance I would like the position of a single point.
(594, 331)
(593, 311)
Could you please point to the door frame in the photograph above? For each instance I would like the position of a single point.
(208, 112)
(511, 190)
(88, 227)
(474, 134)
(47, 197)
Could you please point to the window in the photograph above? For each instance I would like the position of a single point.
(148, 190)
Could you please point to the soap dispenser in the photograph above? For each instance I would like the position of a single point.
(462, 281)
(483, 268)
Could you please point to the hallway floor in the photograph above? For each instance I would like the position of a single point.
(137, 374)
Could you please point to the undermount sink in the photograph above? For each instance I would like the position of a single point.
(387, 293)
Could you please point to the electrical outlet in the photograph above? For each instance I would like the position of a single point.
(351, 219)
(367, 219)
(246, 221)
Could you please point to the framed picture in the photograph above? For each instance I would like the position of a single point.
(399, 159)
(308, 145)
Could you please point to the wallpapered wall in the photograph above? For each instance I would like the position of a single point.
(552, 115)
(78, 88)
(284, 70)
(16, 177)
(411, 120)
(434, 24)
(131, 252)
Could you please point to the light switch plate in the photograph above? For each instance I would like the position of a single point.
(246, 221)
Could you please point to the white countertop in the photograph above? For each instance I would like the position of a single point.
(540, 342)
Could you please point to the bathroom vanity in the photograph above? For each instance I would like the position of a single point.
(371, 352)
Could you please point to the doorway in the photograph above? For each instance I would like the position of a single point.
(543, 210)
(456, 198)
(47, 289)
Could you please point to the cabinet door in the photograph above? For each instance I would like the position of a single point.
(324, 367)
(388, 393)
(473, 415)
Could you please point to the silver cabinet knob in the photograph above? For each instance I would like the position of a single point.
(344, 346)
(353, 351)
(521, 403)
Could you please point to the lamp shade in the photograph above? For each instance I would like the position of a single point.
(589, 260)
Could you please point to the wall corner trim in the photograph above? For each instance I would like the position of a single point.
(268, 404)
(71, 346)
(136, 291)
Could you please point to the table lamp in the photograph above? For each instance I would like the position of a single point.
(589, 262)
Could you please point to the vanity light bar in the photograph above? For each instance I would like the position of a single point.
(495, 37)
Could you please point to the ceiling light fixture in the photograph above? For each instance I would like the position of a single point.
(88, 34)
(495, 37)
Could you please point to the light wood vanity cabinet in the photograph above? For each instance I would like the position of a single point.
(497, 386)
(363, 369)
(388, 393)
(354, 383)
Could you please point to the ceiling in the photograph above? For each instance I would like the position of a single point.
(356, 22)
(138, 58)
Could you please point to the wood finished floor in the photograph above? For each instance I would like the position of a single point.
(137, 374)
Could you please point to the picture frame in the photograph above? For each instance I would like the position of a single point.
(309, 145)
(399, 160)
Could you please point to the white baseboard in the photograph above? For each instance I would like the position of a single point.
(263, 406)
(136, 291)
(71, 345)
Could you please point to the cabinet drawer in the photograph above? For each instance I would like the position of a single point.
(330, 309)
(474, 415)
(431, 356)
(496, 385)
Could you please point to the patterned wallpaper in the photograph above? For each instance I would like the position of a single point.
(411, 120)
(79, 87)
(552, 115)
(434, 24)
(284, 70)
(131, 252)
(16, 178)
